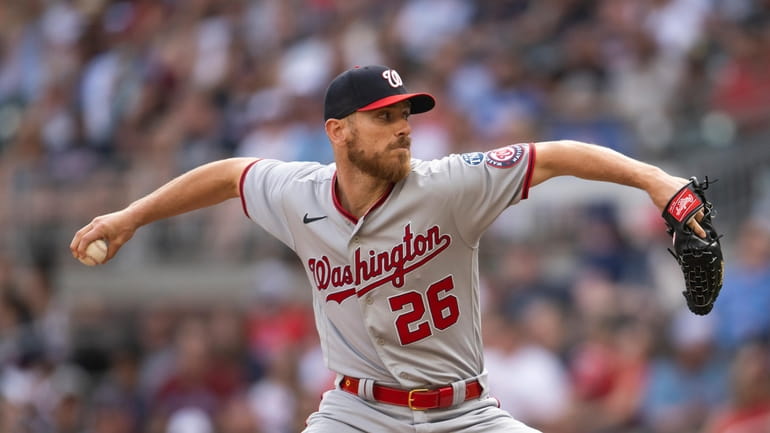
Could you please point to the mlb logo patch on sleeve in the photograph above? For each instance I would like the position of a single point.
(473, 158)
(505, 157)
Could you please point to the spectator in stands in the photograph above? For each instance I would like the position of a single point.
(744, 301)
(741, 88)
(749, 407)
(530, 381)
(685, 386)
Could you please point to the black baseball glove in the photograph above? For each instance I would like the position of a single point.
(700, 258)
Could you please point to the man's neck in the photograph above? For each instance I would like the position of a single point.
(357, 192)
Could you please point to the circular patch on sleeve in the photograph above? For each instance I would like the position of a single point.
(473, 158)
(505, 157)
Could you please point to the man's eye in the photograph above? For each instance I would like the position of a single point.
(385, 115)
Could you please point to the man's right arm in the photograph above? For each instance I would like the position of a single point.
(201, 187)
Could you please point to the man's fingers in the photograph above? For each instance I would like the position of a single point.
(693, 223)
(92, 231)
(699, 215)
(111, 228)
(696, 228)
(76, 246)
(113, 247)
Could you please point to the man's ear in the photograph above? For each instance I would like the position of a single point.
(336, 130)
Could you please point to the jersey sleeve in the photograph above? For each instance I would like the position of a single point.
(486, 183)
(263, 188)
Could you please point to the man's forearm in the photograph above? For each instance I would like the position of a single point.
(592, 162)
(201, 187)
(588, 161)
(204, 186)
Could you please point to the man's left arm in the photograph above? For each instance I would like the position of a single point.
(592, 162)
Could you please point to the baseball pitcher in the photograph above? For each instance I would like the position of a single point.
(389, 245)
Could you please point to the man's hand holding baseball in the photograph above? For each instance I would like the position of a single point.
(115, 228)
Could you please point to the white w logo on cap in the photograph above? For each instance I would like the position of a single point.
(393, 78)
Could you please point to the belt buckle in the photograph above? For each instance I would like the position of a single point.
(410, 399)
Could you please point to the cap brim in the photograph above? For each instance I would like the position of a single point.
(421, 102)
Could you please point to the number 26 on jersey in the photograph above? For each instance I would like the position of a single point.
(413, 324)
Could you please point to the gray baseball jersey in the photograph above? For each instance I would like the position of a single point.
(395, 292)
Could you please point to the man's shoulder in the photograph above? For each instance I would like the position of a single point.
(299, 171)
(430, 167)
(442, 168)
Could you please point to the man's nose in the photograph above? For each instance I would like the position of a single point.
(404, 128)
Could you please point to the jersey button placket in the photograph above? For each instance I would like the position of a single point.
(368, 300)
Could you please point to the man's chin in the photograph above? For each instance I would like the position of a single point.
(392, 171)
(401, 175)
(395, 174)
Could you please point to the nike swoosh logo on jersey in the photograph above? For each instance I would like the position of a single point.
(307, 220)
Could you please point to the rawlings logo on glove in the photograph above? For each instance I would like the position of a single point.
(700, 258)
(683, 204)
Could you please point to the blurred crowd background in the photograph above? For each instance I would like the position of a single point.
(202, 324)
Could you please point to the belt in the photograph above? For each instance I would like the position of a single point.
(416, 399)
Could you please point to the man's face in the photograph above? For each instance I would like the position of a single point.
(379, 143)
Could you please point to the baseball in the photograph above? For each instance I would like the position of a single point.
(96, 253)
